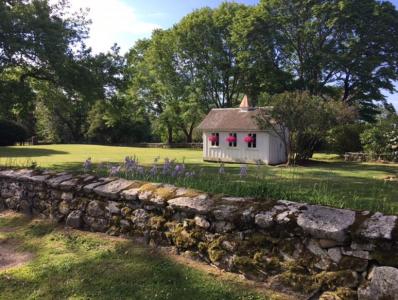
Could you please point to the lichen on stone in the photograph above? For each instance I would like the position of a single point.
(157, 222)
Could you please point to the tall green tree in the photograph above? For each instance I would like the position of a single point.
(163, 87)
(207, 54)
(302, 120)
(37, 41)
(347, 49)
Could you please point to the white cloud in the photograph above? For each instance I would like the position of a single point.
(113, 21)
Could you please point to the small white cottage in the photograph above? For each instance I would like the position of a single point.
(232, 135)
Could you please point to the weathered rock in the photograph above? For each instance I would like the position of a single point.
(335, 254)
(383, 285)
(265, 219)
(363, 246)
(130, 194)
(139, 218)
(101, 181)
(201, 204)
(95, 209)
(223, 226)
(74, 219)
(341, 293)
(39, 178)
(202, 222)
(96, 224)
(125, 211)
(325, 222)
(124, 226)
(283, 217)
(315, 249)
(356, 253)
(55, 181)
(67, 196)
(328, 243)
(64, 207)
(378, 226)
(225, 212)
(77, 183)
(113, 207)
(113, 188)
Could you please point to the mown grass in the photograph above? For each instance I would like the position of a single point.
(325, 180)
(79, 265)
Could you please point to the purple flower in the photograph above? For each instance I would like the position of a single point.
(221, 170)
(129, 163)
(243, 171)
(114, 170)
(166, 166)
(140, 170)
(87, 165)
(179, 169)
(154, 171)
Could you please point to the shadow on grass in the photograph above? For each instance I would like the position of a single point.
(8, 152)
(76, 265)
(351, 166)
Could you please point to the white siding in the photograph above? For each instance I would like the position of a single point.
(277, 150)
(268, 149)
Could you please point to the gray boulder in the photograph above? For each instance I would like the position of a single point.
(113, 188)
(95, 209)
(74, 219)
(383, 285)
(265, 219)
(326, 223)
(139, 218)
(201, 204)
(378, 226)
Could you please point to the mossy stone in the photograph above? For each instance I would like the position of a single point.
(339, 294)
(165, 193)
(302, 283)
(333, 280)
(157, 222)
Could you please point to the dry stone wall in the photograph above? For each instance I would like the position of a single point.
(319, 252)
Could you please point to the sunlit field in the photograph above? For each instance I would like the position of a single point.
(325, 180)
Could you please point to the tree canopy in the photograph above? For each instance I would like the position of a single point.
(335, 51)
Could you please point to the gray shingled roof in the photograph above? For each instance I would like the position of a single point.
(231, 119)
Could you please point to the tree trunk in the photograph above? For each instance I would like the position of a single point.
(169, 134)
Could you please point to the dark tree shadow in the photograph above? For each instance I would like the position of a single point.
(28, 152)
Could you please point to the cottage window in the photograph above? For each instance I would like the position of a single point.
(215, 139)
(232, 139)
(253, 142)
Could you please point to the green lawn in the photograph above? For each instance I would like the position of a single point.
(325, 180)
(80, 265)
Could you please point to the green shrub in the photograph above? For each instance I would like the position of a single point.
(381, 139)
(345, 138)
(11, 133)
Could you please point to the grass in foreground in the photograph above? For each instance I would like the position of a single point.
(325, 180)
(80, 265)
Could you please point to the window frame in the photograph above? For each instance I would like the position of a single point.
(252, 145)
(233, 144)
(217, 142)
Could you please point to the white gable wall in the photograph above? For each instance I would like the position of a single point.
(277, 150)
(268, 150)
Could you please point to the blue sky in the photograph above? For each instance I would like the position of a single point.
(125, 21)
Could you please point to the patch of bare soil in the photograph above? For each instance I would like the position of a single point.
(10, 257)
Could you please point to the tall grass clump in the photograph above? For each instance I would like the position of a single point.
(242, 181)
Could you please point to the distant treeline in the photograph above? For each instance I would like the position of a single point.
(55, 88)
